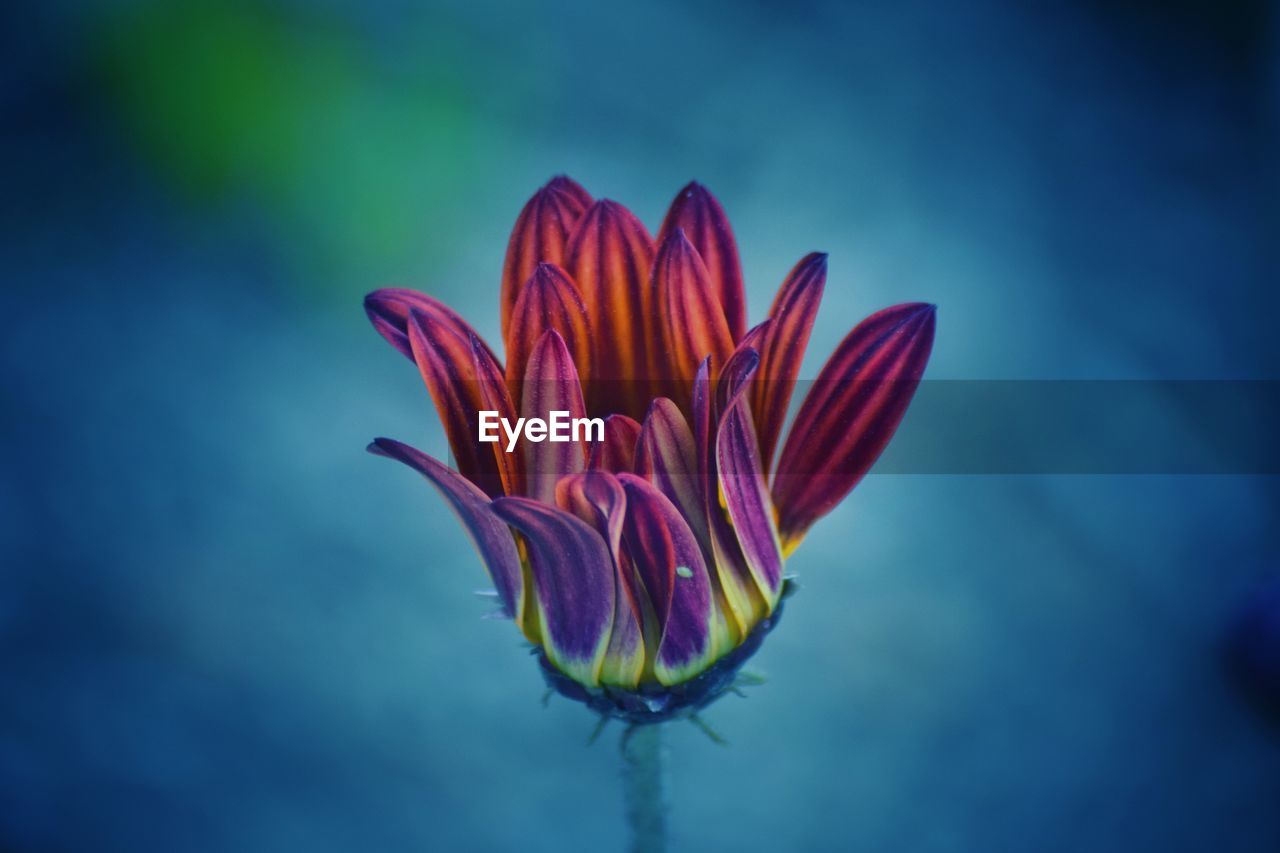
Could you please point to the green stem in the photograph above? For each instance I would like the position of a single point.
(643, 786)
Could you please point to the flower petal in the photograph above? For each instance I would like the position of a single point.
(490, 534)
(597, 498)
(495, 397)
(573, 189)
(550, 385)
(741, 368)
(541, 233)
(704, 222)
(573, 581)
(744, 602)
(746, 498)
(850, 414)
(782, 350)
(669, 563)
(617, 452)
(549, 300)
(447, 364)
(609, 257)
(667, 456)
(388, 310)
(694, 324)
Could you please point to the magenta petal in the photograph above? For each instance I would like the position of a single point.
(495, 397)
(551, 385)
(782, 350)
(597, 498)
(573, 579)
(490, 534)
(447, 363)
(389, 309)
(851, 413)
(669, 562)
(618, 450)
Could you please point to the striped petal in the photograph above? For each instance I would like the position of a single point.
(541, 233)
(694, 324)
(447, 364)
(741, 368)
(573, 189)
(744, 603)
(490, 534)
(746, 499)
(597, 498)
(573, 584)
(704, 222)
(666, 456)
(549, 300)
(609, 257)
(389, 308)
(550, 385)
(617, 452)
(669, 563)
(495, 397)
(782, 350)
(850, 414)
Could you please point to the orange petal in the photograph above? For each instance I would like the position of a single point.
(610, 256)
(548, 301)
(541, 233)
(447, 364)
(694, 324)
(704, 222)
(550, 385)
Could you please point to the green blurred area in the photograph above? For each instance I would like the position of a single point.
(355, 156)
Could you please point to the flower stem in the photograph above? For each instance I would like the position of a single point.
(643, 786)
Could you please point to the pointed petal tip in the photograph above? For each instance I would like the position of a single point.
(545, 268)
(693, 188)
(922, 316)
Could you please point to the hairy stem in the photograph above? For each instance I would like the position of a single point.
(643, 786)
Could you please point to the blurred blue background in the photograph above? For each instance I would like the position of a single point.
(223, 626)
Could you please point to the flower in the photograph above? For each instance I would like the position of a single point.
(648, 565)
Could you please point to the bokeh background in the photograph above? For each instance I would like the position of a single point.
(223, 626)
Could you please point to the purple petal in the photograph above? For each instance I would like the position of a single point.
(490, 534)
(597, 498)
(746, 498)
(670, 565)
(573, 582)
(389, 310)
(667, 456)
(744, 602)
